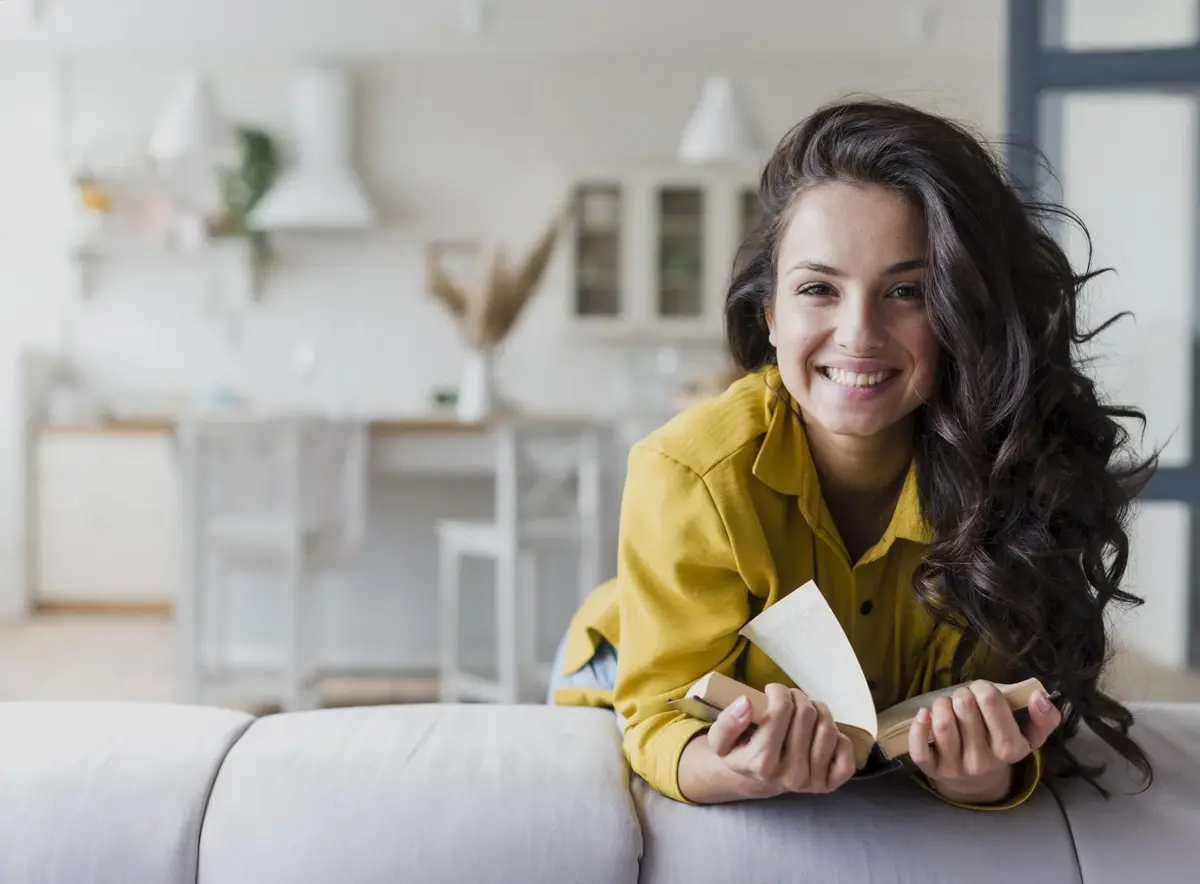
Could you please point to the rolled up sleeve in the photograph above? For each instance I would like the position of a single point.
(682, 602)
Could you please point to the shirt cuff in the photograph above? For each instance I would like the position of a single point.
(1028, 775)
(656, 757)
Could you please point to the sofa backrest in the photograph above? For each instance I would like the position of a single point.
(424, 794)
(117, 793)
(107, 793)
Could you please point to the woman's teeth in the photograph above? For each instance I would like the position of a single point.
(856, 379)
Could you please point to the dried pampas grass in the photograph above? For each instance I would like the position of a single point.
(489, 303)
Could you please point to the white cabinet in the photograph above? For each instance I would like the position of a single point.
(652, 252)
(106, 517)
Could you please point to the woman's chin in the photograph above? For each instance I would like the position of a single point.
(839, 422)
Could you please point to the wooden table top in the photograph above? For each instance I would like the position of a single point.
(381, 426)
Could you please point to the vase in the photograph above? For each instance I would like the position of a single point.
(477, 398)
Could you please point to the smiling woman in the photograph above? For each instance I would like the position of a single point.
(916, 436)
(849, 327)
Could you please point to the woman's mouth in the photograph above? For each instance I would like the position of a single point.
(857, 378)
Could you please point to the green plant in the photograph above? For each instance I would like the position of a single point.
(243, 186)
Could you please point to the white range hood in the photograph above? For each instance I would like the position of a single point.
(321, 191)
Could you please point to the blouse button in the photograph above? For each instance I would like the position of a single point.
(867, 607)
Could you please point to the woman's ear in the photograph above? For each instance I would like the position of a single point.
(769, 318)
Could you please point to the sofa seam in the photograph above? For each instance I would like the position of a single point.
(212, 784)
(638, 819)
(1062, 809)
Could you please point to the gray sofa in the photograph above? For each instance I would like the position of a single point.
(158, 794)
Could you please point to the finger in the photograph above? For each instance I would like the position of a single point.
(824, 743)
(976, 748)
(1007, 743)
(765, 748)
(1044, 719)
(841, 768)
(798, 749)
(947, 738)
(920, 743)
(729, 727)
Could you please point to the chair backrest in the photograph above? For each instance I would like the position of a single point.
(333, 482)
(242, 468)
(548, 469)
(307, 474)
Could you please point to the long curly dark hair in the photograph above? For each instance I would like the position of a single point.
(1025, 475)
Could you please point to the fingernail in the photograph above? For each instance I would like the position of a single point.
(740, 706)
(923, 715)
(1042, 701)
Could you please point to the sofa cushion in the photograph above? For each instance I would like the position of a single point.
(1135, 835)
(424, 793)
(881, 830)
(107, 792)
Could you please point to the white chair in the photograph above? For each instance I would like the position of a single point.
(547, 495)
(288, 491)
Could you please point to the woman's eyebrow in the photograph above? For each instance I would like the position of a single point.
(898, 267)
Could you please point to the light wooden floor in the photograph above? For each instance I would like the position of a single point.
(109, 657)
(131, 658)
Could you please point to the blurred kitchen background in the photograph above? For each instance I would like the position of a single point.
(257, 452)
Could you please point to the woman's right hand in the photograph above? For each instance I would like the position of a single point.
(796, 747)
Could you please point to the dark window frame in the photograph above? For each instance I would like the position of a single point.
(1039, 68)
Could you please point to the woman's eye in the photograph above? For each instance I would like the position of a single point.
(819, 289)
(909, 292)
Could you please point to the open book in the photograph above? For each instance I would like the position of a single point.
(802, 635)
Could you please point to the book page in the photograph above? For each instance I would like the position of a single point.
(902, 714)
(802, 635)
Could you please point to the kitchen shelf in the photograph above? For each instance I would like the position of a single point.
(230, 262)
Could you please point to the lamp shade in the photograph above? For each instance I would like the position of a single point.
(191, 126)
(721, 129)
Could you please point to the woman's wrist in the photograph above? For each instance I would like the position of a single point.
(706, 779)
(978, 790)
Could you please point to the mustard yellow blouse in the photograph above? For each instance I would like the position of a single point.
(722, 516)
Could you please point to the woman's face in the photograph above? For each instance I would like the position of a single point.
(848, 320)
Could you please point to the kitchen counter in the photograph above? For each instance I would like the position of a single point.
(399, 425)
(384, 426)
(105, 507)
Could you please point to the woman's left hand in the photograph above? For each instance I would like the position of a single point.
(967, 746)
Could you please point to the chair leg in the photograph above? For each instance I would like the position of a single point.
(448, 609)
(588, 575)
(293, 695)
(189, 617)
(508, 654)
(527, 624)
(189, 607)
(210, 619)
(215, 615)
(305, 666)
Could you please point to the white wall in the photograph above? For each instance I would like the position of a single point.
(448, 147)
(32, 276)
(459, 136)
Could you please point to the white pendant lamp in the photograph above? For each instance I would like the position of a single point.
(721, 128)
(192, 126)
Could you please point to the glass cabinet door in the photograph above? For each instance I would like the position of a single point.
(751, 213)
(598, 250)
(680, 252)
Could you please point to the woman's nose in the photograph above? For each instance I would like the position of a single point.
(859, 325)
